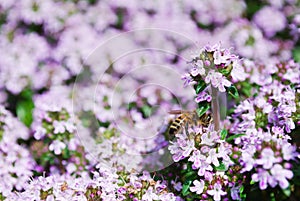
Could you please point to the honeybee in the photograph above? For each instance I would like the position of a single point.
(187, 118)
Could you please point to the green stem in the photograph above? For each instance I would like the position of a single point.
(215, 108)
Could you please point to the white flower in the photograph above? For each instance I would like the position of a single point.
(217, 192)
(57, 146)
(59, 127)
(199, 186)
(237, 73)
(217, 80)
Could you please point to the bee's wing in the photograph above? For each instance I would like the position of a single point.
(175, 112)
(180, 111)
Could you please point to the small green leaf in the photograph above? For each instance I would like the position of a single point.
(234, 137)
(232, 90)
(242, 194)
(226, 71)
(223, 134)
(66, 153)
(131, 105)
(242, 189)
(201, 110)
(192, 175)
(296, 54)
(221, 167)
(24, 107)
(287, 191)
(185, 187)
(146, 110)
(200, 86)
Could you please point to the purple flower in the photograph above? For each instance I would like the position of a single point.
(281, 175)
(39, 133)
(217, 80)
(209, 138)
(197, 158)
(198, 186)
(267, 158)
(270, 20)
(263, 177)
(203, 96)
(222, 57)
(248, 160)
(235, 193)
(238, 72)
(212, 157)
(204, 168)
(150, 195)
(215, 47)
(217, 192)
(181, 148)
(198, 69)
(288, 151)
(188, 80)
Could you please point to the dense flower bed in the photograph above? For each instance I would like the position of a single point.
(90, 88)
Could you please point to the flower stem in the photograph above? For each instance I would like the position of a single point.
(215, 108)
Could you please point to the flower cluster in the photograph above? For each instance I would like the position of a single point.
(106, 184)
(270, 157)
(16, 161)
(216, 66)
(56, 146)
(258, 140)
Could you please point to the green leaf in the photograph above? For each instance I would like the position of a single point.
(242, 194)
(226, 71)
(287, 191)
(201, 110)
(296, 54)
(24, 107)
(66, 153)
(146, 110)
(223, 133)
(246, 88)
(234, 137)
(221, 167)
(242, 189)
(185, 187)
(232, 90)
(200, 86)
(191, 175)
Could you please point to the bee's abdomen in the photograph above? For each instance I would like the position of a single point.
(176, 125)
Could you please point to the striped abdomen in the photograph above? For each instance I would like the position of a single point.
(176, 124)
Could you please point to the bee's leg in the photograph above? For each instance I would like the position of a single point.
(186, 127)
